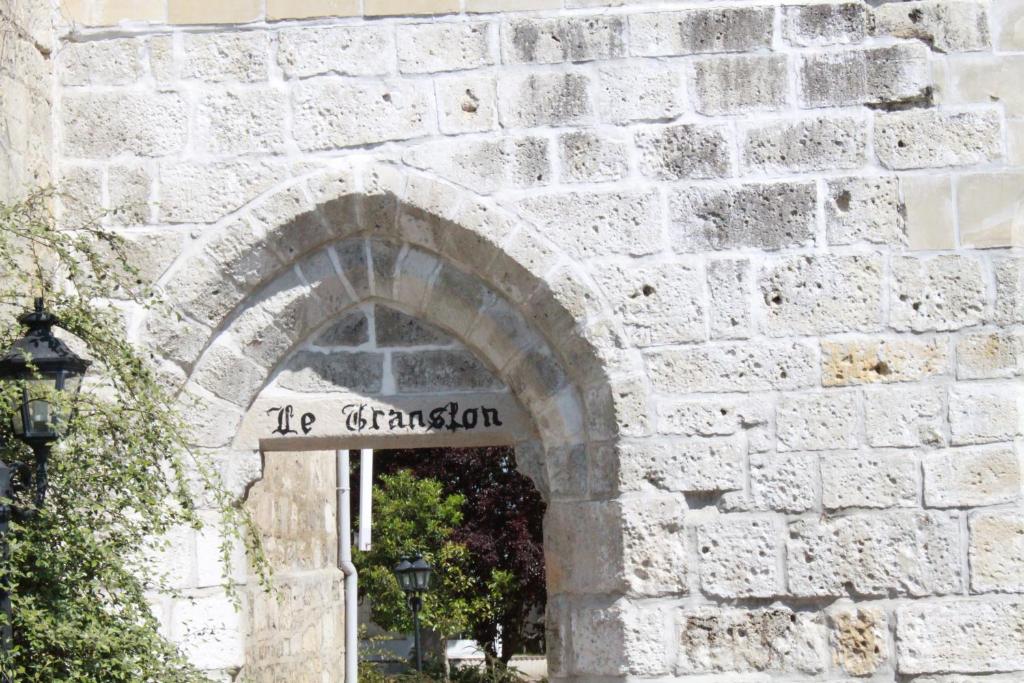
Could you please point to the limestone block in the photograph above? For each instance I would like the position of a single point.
(656, 560)
(864, 210)
(622, 409)
(944, 25)
(466, 104)
(100, 62)
(1010, 290)
(562, 39)
(176, 338)
(760, 216)
(800, 294)
(729, 288)
(174, 557)
(657, 304)
(540, 99)
(990, 355)
(961, 634)
(740, 556)
(784, 482)
(128, 191)
(738, 84)
(210, 566)
(708, 417)
(591, 567)
(192, 192)
(904, 417)
(599, 223)
(237, 56)
(626, 94)
(212, 422)
(150, 252)
(969, 477)
(413, 278)
(928, 203)
(259, 338)
(991, 210)
(718, 29)
(310, 9)
(241, 121)
(684, 151)
(875, 554)
(228, 374)
(931, 139)
(428, 48)
(353, 329)
(1015, 141)
(485, 165)
(109, 123)
(209, 630)
(868, 480)
(892, 75)
(202, 291)
(897, 359)
(997, 551)
(592, 157)
(332, 296)
(381, 8)
(1008, 18)
(112, 12)
(839, 23)
(940, 293)
(161, 59)
(804, 145)
(983, 413)
(860, 639)
(733, 366)
(424, 371)
(312, 371)
(620, 640)
(817, 422)
(334, 113)
(341, 50)
(221, 12)
(729, 640)
(80, 195)
(984, 79)
(689, 464)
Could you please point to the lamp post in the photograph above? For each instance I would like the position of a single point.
(414, 576)
(43, 369)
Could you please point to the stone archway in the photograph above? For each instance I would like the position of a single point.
(258, 284)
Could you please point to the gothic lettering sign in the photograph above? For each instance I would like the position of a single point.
(359, 418)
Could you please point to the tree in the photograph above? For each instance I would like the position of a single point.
(501, 528)
(124, 475)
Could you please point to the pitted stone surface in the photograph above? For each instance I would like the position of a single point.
(739, 556)
(431, 370)
(737, 84)
(970, 477)
(997, 551)
(860, 639)
(310, 371)
(879, 76)
(818, 422)
(864, 209)
(957, 634)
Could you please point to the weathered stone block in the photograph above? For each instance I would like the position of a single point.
(233, 56)
(486, 165)
(800, 294)
(466, 104)
(684, 151)
(193, 192)
(985, 413)
(969, 477)
(544, 99)
(868, 480)
(591, 157)
(599, 223)
(352, 329)
(655, 557)
(894, 75)
(984, 79)
(712, 464)
(128, 192)
(990, 355)
(738, 84)
(940, 293)
(310, 9)
(1010, 290)
(760, 216)
(904, 418)
(733, 366)
(864, 210)
(805, 145)
(573, 569)
(658, 304)
(944, 25)
(241, 121)
(227, 12)
(872, 361)
(991, 206)
(825, 24)
(625, 94)
(930, 218)
(394, 328)
(879, 554)
(620, 640)
(784, 482)
(931, 139)
(428, 48)
(709, 417)
(729, 640)
(860, 639)
(729, 288)
(210, 631)
(425, 371)
(383, 8)
(332, 113)
(313, 371)
(997, 551)
(1008, 18)
(719, 29)
(340, 50)
(740, 556)
(959, 635)
(228, 374)
(111, 123)
(101, 62)
(817, 422)
(562, 39)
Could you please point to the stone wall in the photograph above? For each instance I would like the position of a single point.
(752, 271)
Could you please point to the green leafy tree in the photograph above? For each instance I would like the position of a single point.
(80, 571)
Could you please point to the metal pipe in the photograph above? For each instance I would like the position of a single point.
(344, 518)
(365, 497)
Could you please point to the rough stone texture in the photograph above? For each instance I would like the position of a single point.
(868, 480)
(310, 371)
(817, 422)
(106, 62)
(341, 50)
(729, 311)
(427, 48)
(941, 293)
(807, 145)
(864, 210)
(997, 551)
(686, 151)
(361, 114)
(904, 417)
(929, 139)
(738, 84)
(951, 26)
(626, 95)
(886, 76)
(733, 367)
(587, 157)
(739, 557)
(565, 39)
(486, 165)
(826, 24)
(727, 29)
(985, 413)
(544, 99)
(432, 370)
(467, 104)
(989, 355)
(657, 304)
(860, 639)
(966, 477)
(957, 635)
(900, 359)
(217, 130)
(219, 57)
(106, 124)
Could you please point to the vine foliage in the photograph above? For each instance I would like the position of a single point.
(81, 570)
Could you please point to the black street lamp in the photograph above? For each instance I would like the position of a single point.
(48, 376)
(414, 576)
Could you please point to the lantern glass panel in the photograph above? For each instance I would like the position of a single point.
(421, 572)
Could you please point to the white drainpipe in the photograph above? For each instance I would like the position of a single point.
(347, 568)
